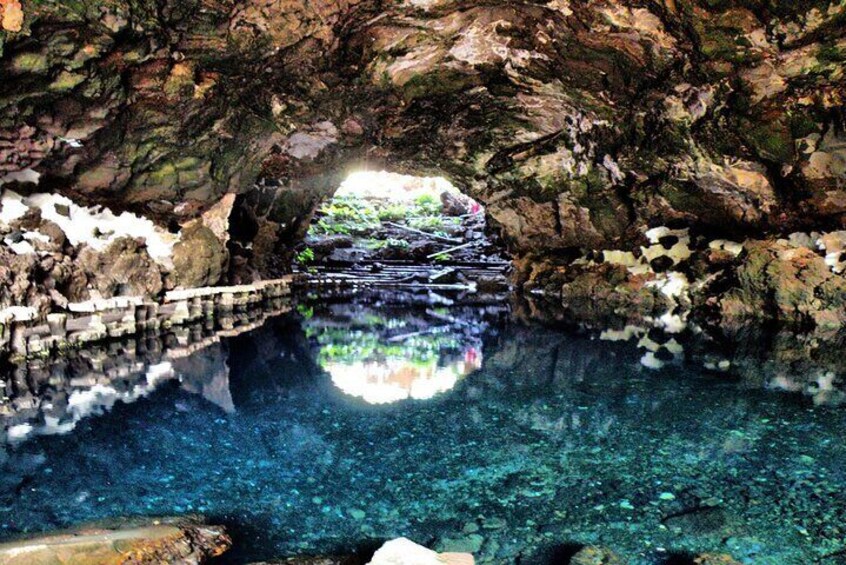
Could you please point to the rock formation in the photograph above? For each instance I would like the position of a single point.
(580, 124)
(166, 540)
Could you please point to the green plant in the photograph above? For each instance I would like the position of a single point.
(393, 213)
(397, 243)
(428, 205)
(305, 256)
(425, 199)
(427, 223)
(441, 257)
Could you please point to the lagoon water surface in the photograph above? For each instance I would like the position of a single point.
(342, 426)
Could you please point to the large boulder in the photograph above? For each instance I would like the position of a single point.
(124, 268)
(792, 284)
(199, 258)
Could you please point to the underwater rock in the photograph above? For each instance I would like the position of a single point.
(166, 540)
(595, 556)
(715, 559)
(402, 551)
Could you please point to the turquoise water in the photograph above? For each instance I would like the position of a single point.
(339, 427)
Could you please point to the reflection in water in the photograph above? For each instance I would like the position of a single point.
(556, 439)
(52, 395)
(392, 380)
(385, 356)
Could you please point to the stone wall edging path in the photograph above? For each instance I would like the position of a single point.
(23, 333)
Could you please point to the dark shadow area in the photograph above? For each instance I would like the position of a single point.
(561, 554)
(247, 536)
(679, 558)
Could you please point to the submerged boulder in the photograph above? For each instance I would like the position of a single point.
(166, 540)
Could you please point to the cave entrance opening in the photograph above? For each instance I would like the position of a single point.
(387, 229)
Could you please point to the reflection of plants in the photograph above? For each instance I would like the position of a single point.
(343, 345)
(306, 311)
(305, 256)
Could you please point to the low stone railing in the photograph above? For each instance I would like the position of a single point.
(24, 334)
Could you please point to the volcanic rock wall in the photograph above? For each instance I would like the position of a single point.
(580, 124)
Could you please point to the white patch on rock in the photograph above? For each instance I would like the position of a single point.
(672, 284)
(562, 6)
(17, 314)
(833, 245)
(672, 323)
(623, 258)
(613, 168)
(678, 252)
(728, 246)
(24, 176)
(96, 227)
(625, 334)
(310, 144)
(11, 206)
(482, 44)
(425, 5)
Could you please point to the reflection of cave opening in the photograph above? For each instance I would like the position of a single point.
(385, 354)
(398, 229)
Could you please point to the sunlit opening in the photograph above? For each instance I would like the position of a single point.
(376, 217)
(382, 185)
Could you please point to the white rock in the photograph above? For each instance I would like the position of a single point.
(625, 334)
(728, 246)
(403, 551)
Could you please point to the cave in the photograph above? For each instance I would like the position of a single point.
(422, 281)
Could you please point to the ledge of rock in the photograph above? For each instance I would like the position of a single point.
(165, 540)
